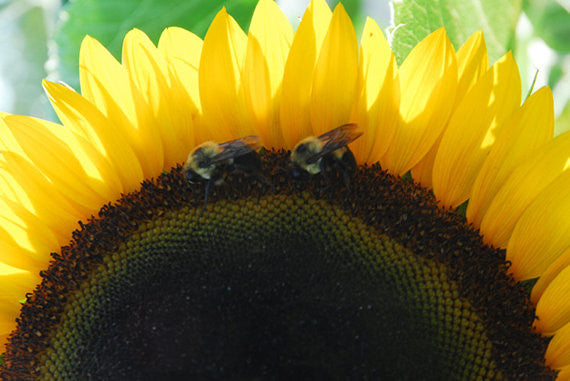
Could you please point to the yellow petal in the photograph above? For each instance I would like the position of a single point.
(54, 158)
(336, 75)
(528, 129)
(270, 36)
(14, 288)
(48, 203)
(7, 141)
(553, 308)
(8, 270)
(472, 63)
(12, 254)
(221, 65)
(428, 80)
(295, 112)
(182, 50)
(473, 129)
(542, 233)
(522, 187)
(82, 117)
(40, 240)
(548, 276)
(96, 170)
(148, 72)
(377, 112)
(558, 352)
(18, 248)
(105, 83)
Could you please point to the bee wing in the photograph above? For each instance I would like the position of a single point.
(236, 148)
(335, 139)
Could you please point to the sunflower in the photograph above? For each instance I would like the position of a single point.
(379, 276)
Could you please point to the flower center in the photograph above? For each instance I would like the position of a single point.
(304, 280)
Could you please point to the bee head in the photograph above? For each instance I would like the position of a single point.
(198, 162)
(303, 151)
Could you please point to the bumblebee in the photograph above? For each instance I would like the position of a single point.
(210, 161)
(326, 153)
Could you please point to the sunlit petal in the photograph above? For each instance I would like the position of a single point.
(528, 129)
(295, 111)
(428, 79)
(377, 112)
(542, 233)
(553, 309)
(472, 63)
(476, 124)
(332, 101)
(270, 36)
(221, 65)
(522, 187)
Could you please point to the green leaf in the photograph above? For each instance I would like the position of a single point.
(109, 20)
(415, 19)
(551, 22)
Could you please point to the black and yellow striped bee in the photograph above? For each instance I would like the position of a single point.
(211, 161)
(326, 153)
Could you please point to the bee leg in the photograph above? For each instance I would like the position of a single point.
(346, 179)
(347, 197)
(207, 194)
(324, 170)
(349, 167)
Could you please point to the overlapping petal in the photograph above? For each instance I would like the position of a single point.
(553, 309)
(270, 37)
(182, 50)
(57, 158)
(549, 274)
(428, 80)
(107, 85)
(332, 101)
(472, 63)
(219, 76)
(543, 231)
(295, 108)
(528, 129)
(521, 188)
(377, 110)
(558, 352)
(476, 123)
(149, 74)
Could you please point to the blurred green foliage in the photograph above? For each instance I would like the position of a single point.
(109, 20)
(551, 22)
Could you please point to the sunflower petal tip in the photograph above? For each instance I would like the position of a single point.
(87, 40)
(135, 35)
(222, 12)
(340, 11)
